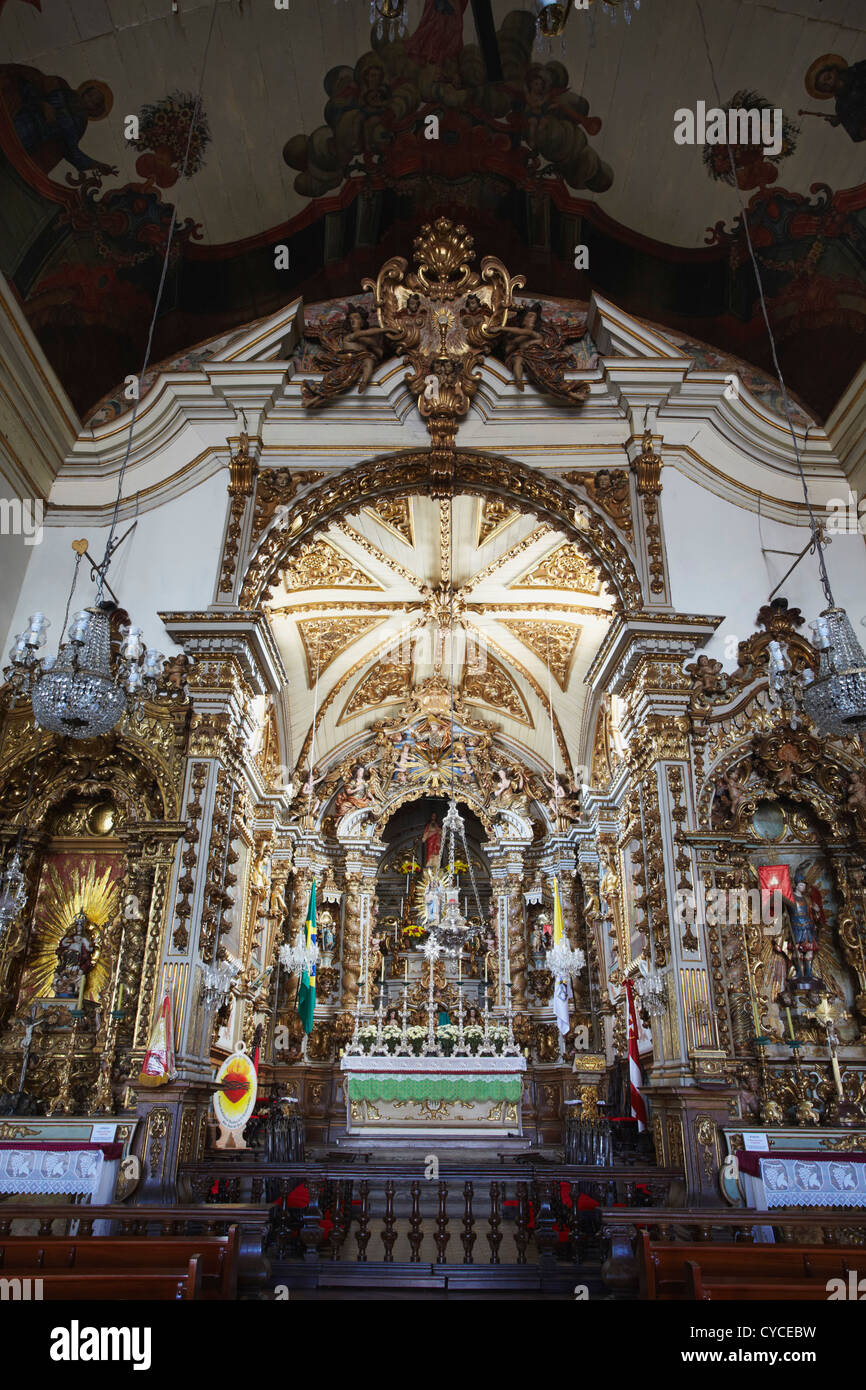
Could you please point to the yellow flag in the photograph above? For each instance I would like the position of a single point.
(557, 914)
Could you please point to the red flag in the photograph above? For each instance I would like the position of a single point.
(158, 1066)
(774, 878)
(638, 1109)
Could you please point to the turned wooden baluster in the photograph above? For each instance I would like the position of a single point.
(338, 1230)
(256, 1189)
(312, 1235)
(574, 1194)
(389, 1233)
(494, 1236)
(442, 1237)
(362, 1235)
(521, 1234)
(416, 1235)
(468, 1236)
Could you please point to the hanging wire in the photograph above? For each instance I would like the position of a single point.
(102, 569)
(816, 530)
(470, 870)
(313, 730)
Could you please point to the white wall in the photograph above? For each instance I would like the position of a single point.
(716, 566)
(169, 562)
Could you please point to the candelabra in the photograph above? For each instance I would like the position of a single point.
(432, 952)
(404, 1034)
(461, 1049)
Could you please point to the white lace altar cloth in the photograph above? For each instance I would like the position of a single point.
(77, 1172)
(812, 1182)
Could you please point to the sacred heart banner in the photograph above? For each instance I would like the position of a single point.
(237, 1083)
(77, 901)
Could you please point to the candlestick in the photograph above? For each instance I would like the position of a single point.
(406, 971)
(834, 1063)
(81, 985)
(120, 995)
(402, 901)
(382, 975)
(460, 966)
(485, 968)
(790, 1023)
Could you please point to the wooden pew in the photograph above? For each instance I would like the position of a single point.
(720, 1288)
(672, 1270)
(121, 1284)
(217, 1256)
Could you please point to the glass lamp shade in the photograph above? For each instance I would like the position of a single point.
(78, 696)
(836, 699)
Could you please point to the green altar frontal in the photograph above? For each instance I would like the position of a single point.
(406, 1095)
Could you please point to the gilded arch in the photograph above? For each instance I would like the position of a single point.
(481, 474)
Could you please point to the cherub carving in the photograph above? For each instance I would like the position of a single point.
(856, 794)
(708, 678)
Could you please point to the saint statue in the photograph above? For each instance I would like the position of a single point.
(433, 903)
(805, 915)
(432, 842)
(77, 953)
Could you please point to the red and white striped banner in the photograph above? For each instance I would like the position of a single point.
(638, 1109)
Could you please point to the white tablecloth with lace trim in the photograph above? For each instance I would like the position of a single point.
(75, 1171)
(809, 1180)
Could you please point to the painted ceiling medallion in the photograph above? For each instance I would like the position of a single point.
(556, 642)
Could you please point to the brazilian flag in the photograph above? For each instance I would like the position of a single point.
(307, 991)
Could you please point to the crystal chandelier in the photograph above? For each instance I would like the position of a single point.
(216, 981)
(300, 957)
(13, 892)
(835, 698)
(553, 15)
(390, 18)
(564, 961)
(86, 688)
(652, 989)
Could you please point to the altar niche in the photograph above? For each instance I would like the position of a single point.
(410, 890)
(433, 1051)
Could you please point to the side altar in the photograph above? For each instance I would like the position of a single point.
(397, 1096)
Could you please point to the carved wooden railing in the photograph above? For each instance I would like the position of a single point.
(340, 1214)
(797, 1226)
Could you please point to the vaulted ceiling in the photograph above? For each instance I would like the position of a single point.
(362, 616)
(313, 139)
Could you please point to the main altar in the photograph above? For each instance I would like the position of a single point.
(399, 1097)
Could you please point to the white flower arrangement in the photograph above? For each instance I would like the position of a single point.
(392, 1030)
(416, 1031)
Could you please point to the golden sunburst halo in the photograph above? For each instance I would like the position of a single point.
(68, 887)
